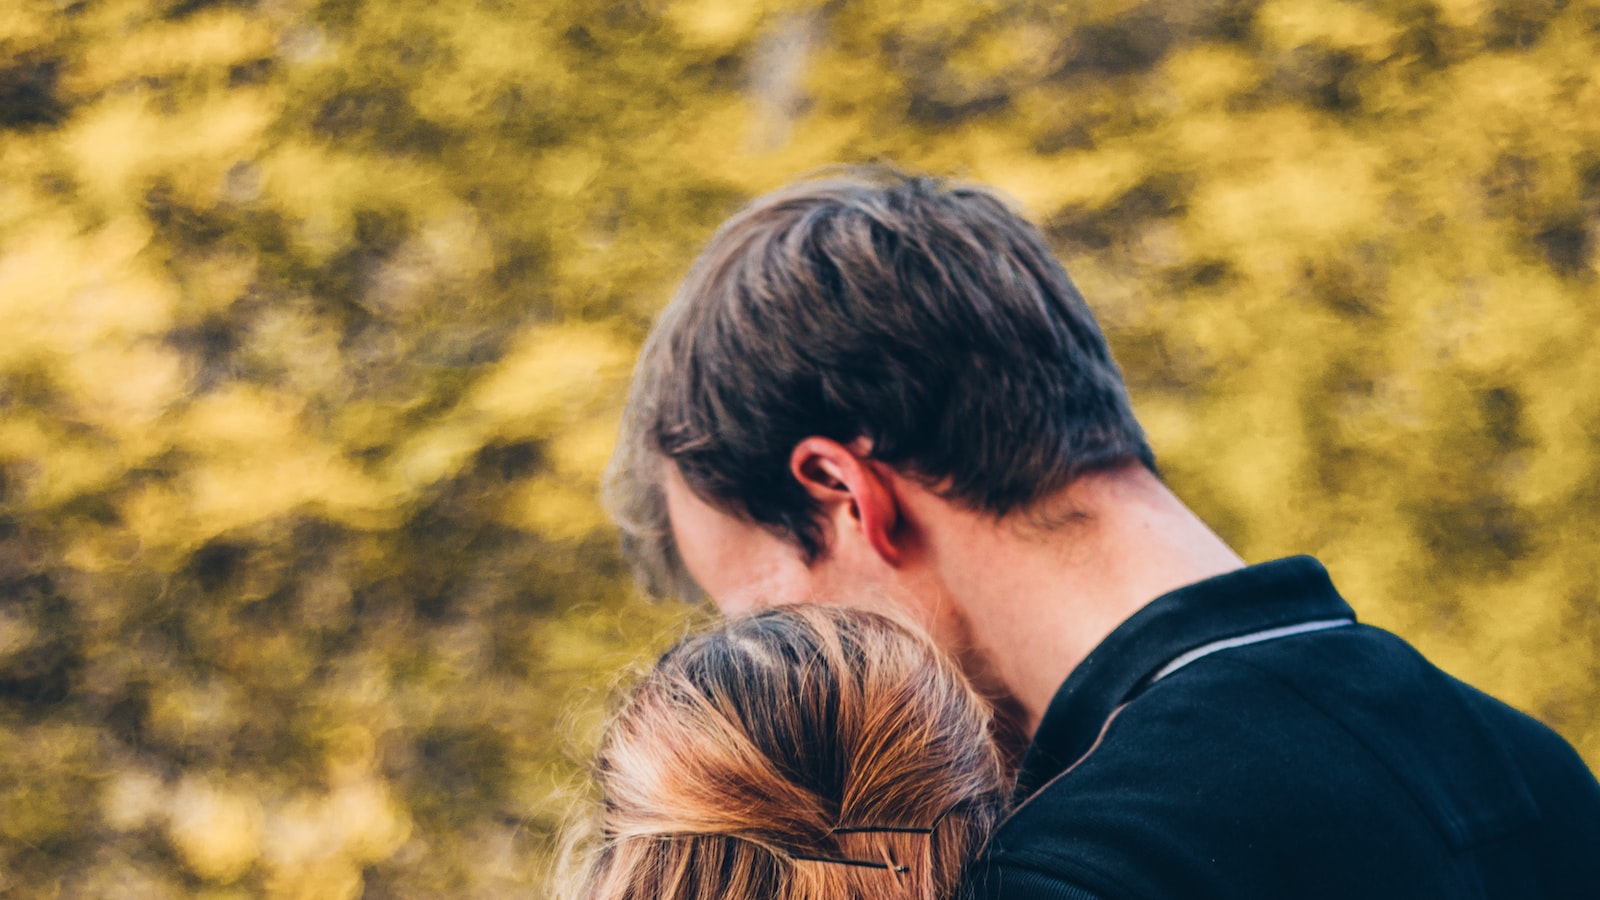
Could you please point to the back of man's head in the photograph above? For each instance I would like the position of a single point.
(929, 319)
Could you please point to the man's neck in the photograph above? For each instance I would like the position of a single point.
(1031, 600)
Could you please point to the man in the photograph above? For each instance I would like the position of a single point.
(885, 386)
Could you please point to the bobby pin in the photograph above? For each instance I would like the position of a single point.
(862, 863)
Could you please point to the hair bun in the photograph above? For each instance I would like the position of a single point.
(784, 741)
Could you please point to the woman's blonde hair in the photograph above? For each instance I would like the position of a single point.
(802, 752)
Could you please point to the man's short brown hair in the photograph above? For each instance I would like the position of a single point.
(929, 318)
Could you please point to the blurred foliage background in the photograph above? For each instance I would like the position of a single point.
(317, 316)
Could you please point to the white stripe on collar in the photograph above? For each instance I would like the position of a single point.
(1203, 650)
(1244, 640)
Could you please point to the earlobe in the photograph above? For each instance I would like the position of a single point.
(843, 482)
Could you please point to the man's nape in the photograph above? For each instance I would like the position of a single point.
(1018, 602)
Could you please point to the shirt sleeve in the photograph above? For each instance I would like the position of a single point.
(1002, 882)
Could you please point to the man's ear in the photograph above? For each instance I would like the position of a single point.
(847, 485)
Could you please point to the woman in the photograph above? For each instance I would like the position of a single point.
(803, 752)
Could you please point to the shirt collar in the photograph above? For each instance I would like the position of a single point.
(1270, 595)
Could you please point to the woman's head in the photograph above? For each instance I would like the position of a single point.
(800, 752)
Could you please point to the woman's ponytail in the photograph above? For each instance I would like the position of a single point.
(804, 752)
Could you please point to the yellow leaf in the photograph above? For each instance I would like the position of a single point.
(555, 510)
(217, 830)
(554, 374)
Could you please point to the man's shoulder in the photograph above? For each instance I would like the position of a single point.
(1276, 764)
(1191, 783)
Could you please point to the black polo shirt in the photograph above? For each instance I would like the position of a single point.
(1243, 737)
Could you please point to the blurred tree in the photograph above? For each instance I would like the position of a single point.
(318, 316)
